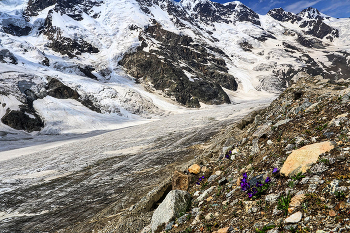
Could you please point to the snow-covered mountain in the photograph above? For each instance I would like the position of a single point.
(78, 65)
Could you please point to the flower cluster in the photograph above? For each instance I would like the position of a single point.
(200, 179)
(254, 192)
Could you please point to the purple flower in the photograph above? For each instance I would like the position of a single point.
(198, 183)
(245, 186)
(275, 170)
(245, 175)
(254, 191)
(230, 152)
(200, 179)
(267, 180)
(227, 156)
(250, 194)
(203, 177)
(258, 184)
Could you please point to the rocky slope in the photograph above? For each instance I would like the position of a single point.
(193, 53)
(282, 169)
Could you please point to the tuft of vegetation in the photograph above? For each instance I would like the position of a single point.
(298, 176)
(283, 203)
(265, 228)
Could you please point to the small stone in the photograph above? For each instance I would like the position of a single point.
(194, 169)
(196, 194)
(209, 198)
(272, 198)
(180, 181)
(248, 205)
(290, 227)
(253, 181)
(307, 219)
(195, 211)
(212, 178)
(230, 193)
(289, 147)
(218, 173)
(182, 219)
(332, 213)
(297, 200)
(294, 218)
(276, 211)
(269, 142)
(205, 193)
(320, 231)
(224, 203)
(208, 216)
(216, 215)
(204, 169)
(169, 226)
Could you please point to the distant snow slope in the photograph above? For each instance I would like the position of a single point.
(79, 45)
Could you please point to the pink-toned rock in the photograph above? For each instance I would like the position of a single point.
(301, 160)
(222, 230)
(294, 218)
(297, 200)
(332, 213)
(194, 169)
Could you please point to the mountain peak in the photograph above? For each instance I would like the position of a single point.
(312, 13)
(282, 15)
(190, 4)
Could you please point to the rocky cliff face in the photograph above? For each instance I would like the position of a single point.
(183, 69)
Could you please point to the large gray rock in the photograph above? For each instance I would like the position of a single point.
(175, 203)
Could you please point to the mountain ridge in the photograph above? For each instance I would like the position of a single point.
(82, 38)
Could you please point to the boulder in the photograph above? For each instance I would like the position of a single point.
(195, 169)
(175, 203)
(180, 181)
(301, 160)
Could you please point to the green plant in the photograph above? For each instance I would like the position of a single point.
(304, 205)
(265, 228)
(204, 185)
(339, 195)
(294, 229)
(188, 230)
(283, 203)
(291, 184)
(208, 226)
(298, 176)
(321, 127)
(325, 161)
